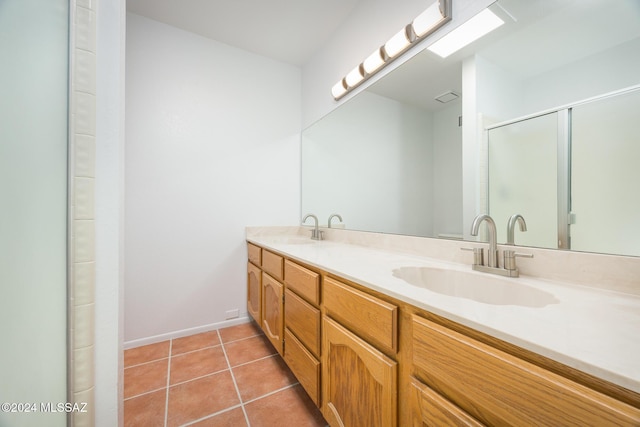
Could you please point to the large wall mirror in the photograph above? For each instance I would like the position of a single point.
(540, 117)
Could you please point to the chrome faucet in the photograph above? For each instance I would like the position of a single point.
(316, 234)
(509, 266)
(511, 225)
(493, 244)
(331, 217)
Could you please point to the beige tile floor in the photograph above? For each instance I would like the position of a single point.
(230, 377)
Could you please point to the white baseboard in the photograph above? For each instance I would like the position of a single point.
(185, 332)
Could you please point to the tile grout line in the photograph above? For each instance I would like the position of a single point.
(144, 394)
(230, 408)
(145, 363)
(166, 402)
(233, 378)
(273, 392)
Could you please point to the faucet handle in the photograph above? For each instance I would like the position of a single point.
(510, 259)
(478, 258)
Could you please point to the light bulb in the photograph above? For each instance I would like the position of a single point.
(373, 62)
(354, 77)
(397, 43)
(427, 20)
(338, 89)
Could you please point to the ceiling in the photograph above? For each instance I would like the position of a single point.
(290, 31)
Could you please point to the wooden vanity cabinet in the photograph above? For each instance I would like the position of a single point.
(302, 326)
(497, 388)
(367, 359)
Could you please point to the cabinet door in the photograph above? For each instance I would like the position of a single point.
(272, 311)
(359, 382)
(428, 408)
(254, 293)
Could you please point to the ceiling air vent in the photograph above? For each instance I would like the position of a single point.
(447, 97)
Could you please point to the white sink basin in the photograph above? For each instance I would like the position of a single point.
(479, 287)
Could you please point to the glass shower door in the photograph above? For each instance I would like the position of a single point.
(523, 178)
(33, 210)
(605, 172)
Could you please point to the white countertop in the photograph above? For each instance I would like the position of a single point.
(593, 330)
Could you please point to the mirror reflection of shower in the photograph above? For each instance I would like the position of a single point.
(585, 200)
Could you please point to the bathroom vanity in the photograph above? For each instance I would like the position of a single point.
(383, 336)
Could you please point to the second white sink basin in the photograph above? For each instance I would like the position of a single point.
(478, 287)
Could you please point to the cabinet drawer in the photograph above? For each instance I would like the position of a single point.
(304, 366)
(373, 319)
(428, 408)
(272, 264)
(254, 254)
(500, 389)
(303, 320)
(305, 283)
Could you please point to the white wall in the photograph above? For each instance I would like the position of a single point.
(109, 206)
(613, 69)
(212, 145)
(371, 161)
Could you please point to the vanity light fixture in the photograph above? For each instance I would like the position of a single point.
(476, 27)
(438, 14)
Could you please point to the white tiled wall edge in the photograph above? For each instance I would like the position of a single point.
(82, 140)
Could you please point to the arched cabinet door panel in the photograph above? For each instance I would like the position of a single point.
(359, 382)
(254, 292)
(272, 311)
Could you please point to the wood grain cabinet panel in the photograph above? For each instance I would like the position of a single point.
(429, 409)
(272, 264)
(272, 311)
(254, 254)
(303, 364)
(497, 388)
(303, 281)
(370, 317)
(303, 320)
(254, 292)
(359, 382)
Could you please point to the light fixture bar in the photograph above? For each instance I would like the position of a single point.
(434, 17)
(478, 26)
